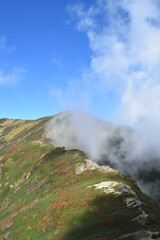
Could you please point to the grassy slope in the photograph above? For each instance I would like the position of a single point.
(41, 197)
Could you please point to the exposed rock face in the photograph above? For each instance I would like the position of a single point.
(90, 165)
(141, 235)
(118, 189)
(109, 187)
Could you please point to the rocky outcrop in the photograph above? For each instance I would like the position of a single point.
(90, 165)
(141, 235)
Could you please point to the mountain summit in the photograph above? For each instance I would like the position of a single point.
(49, 192)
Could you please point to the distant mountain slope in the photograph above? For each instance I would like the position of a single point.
(47, 192)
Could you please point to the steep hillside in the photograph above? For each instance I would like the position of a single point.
(47, 192)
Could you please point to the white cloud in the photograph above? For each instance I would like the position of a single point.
(2, 42)
(124, 37)
(3, 45)
(85, 18)
(12, 76)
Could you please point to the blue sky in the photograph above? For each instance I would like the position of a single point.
(39, 49)
(100, 56)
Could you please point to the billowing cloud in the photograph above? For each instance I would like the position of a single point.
(124, 36)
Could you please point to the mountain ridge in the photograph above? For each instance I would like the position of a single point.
(49, 192)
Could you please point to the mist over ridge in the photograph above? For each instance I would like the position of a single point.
(124, 37)
(47, 181)
(123, 148)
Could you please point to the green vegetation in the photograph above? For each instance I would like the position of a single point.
(42, 197)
